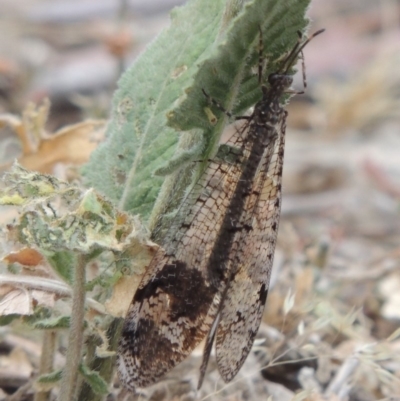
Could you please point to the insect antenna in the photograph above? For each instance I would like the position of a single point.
(297, 50)
(295, 53)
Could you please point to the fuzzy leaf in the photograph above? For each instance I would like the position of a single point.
(52, 377)
(138, 140)
(60, 322)
(7, 319)
(96, 382)
(205, 48)
(63, 263)
(84, 222)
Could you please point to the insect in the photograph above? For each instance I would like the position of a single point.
(211, 277)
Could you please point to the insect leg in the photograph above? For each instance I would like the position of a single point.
(220, 107)
(260, 57)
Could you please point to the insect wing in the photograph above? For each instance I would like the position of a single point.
(177, 299)
(166, 320)
(245, 299)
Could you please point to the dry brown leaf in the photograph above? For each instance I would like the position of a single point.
(21, 301)
(18, 302)
(122, 295)
(32, 261)
(41, 151)
(5, 289)
(43, 298)
(30, 127)
(25, 256)
(71, 145)
(123, 291)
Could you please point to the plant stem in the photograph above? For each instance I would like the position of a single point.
(46, 360)
(75, 335)
(104, 366)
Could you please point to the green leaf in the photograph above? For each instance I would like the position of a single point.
(138, 140)
(83, 221)
(60, 322)
(39, 313)
(208, 46)
(7, 319)
(95, 381)
(63, 263)
(52, 377)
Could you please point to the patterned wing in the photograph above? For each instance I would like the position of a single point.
(243, 306)
(177, 300)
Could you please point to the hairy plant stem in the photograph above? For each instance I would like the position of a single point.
(46, 360)
(68, 385)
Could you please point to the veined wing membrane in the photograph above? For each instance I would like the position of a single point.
(177, 299)
(243, 306)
